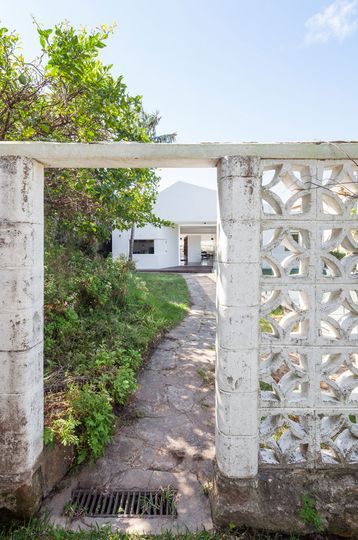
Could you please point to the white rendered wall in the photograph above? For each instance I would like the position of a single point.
(182, 203)
(194, 248)
(166, 246)
(187, 203)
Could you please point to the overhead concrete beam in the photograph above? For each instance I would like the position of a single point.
(139, 155)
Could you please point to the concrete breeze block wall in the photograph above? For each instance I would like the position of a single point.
(287, 394)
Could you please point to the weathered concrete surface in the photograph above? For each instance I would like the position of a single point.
(55, 463)
(272, 501)
(22, 497)
(238, 301)
(131, 154)
(21, 334)
(171, 441)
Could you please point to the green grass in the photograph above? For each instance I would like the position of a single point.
(40, 530)
(168, 295)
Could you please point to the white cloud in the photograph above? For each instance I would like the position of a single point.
(338, 21)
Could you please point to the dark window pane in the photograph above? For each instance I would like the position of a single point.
(143, 247)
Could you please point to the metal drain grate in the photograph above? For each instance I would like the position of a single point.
(118, 503)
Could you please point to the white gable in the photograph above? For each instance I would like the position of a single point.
(186, 203)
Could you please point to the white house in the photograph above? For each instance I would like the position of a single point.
(192, 240)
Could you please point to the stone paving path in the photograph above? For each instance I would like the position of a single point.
(171, 439)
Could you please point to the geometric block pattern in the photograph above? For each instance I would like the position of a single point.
(308, 361)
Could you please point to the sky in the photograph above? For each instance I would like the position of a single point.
(223, 70)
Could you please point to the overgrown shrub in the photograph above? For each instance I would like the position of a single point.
(124, 384)
(100, 318)
(93, 409)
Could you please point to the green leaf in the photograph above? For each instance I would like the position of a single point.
(70, 95)
(49, 437)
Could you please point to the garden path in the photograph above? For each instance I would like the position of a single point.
(170, 437)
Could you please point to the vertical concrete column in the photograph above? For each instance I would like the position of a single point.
(238, 271)
(21, 331)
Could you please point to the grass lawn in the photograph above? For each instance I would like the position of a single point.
(40, 530)
(169, 296)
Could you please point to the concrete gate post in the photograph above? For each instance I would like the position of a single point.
(238, 316)
(21, 333)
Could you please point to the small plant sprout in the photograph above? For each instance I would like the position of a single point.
(150, 505)
(203, 404)
(207, 487)
(309, 513)
(207, 376)
(169, 496)
(72, 512)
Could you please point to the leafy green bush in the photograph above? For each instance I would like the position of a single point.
(100, 319)
(75, 287)
(93, 410)
(124, 384)
(62, 429)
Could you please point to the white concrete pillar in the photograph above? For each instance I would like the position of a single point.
(21, 321)
(238, 299)
(194, 249)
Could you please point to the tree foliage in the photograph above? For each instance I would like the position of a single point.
(67, 94)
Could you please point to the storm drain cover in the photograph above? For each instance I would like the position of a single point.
(119, 503)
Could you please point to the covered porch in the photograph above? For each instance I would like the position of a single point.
(197, 247)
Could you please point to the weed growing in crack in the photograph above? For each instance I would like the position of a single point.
(207, 487)
(72, 511)
(309, 513)
(149, 506)
(165, 497)
(169, 496)
(207, 375)
(203, 404)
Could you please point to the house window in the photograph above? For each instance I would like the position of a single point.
(143, 247)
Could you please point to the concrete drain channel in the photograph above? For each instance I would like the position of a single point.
(126, 504)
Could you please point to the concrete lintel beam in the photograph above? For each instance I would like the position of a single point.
(138, 155)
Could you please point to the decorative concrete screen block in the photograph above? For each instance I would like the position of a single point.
(304, 362)
(308, 359)
(21, 326)
(238, 316)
